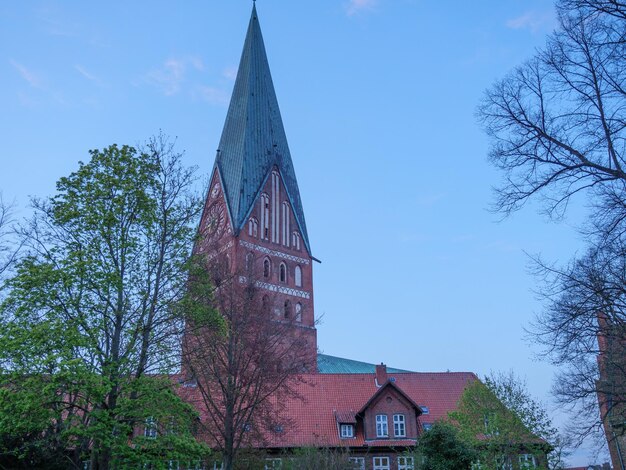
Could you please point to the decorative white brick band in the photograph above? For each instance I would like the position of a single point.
(267, 251)
(274, 288)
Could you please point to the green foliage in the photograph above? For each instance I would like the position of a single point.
(443, 448)
(88, 319)
(501, 421)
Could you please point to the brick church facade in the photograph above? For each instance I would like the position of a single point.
(254, 214)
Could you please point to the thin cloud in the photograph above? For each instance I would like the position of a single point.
(213, 95)
(169, 78)
(230, 73)
(32, 79)
(532, 21)
(80, 69)
(357, 6)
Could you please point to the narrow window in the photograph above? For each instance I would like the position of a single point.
(265, 303)
(295, 240)
(150, 429)
(275, 206)
(298, 276)
(382, 429)
(381, 463)
(265, 216)
(253, 227)
(267, 268)
(399, 426)
(286, 219)
(249, 261)
(298, 312)
(346, 431)
(282, 272)
(287, 309)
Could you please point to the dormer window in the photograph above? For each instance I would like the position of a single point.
(399, 426)
(382, 427)
(346, 431)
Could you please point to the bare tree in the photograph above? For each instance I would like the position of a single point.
(246, 366)
(8, 247)
(584, 325)
(557, 122)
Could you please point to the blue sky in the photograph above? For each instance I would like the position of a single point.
(378, 100)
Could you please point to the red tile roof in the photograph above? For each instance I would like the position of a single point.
(326, 396)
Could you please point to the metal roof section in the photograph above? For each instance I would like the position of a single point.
(338, 365)
(254, 140)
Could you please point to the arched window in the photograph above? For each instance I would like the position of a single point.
(298, 312)
(249, 261)
(265, 303)
(295, 240)
(265, 216)
(253, 227)
(298, 276)
(227, 263)
(282, 272)
(267, 268)
(287, 309)
(285, 226)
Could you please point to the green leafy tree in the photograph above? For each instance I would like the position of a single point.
(87, 322)
(443, 448)
(503, 422)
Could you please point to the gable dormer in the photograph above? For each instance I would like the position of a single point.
(390, 414)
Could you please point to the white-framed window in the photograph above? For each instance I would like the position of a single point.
(297, 276)
(405, 463)
(253, 227)
(150, 428)
(295, 240)
(265, 216)
(286, 223)
(298, 312)
(381, 463)
(399, 426)
(527, 461)
(267, 268)
(217, 465)
(196, 465)
(273, 464)
(173, 465)
(282, 273)
(503, 462)
(476, 465)
(382, 428)
(346, 430)
(358, 463)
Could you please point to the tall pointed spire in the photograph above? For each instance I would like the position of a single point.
(253, 140)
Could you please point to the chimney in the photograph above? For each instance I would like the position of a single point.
(381, 374)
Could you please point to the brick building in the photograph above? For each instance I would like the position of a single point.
(254, 214)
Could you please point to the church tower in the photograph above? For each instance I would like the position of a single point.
(253, 213)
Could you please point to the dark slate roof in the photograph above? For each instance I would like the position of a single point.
(253, 139)
(338, 365)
